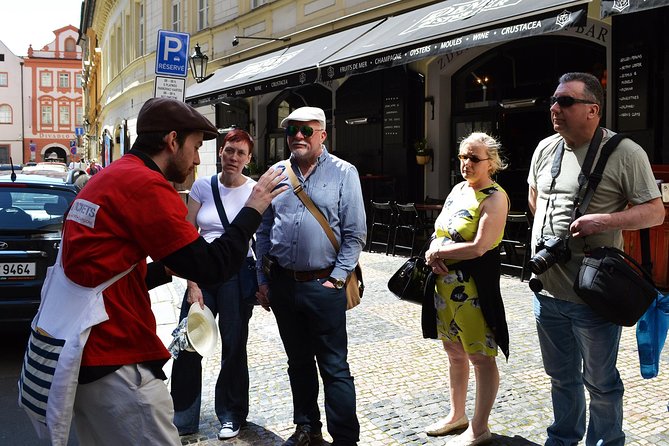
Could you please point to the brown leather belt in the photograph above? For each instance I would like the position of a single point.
(303, 276)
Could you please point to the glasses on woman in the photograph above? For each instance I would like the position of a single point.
(305, 130)
(568, 101)
(473, 158)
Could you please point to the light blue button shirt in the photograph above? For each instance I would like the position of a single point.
(294, 237)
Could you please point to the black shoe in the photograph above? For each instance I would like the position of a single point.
(303, 436)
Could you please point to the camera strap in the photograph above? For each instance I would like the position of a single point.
(596, 175)
(595, 141)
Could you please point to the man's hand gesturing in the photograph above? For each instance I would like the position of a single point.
(267, 187)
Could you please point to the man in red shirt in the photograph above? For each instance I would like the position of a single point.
(125, 213)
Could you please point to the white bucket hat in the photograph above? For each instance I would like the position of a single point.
(305, 114)
(201, 330)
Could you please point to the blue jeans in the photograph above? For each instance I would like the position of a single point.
(234, 306)
(312, 324)
(579, 349)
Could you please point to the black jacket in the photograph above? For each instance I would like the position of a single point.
(485, 271)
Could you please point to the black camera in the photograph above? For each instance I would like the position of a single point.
(550, 250)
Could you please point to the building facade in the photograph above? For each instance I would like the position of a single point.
(52, 94)
(388, 74)
(11, 106)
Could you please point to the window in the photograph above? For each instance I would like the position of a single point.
(63, 80)
(176, 15)
(70, 45)
(202, 14)
(45, 79)
(4, 154)
(5, 114)
(3, 79)
(256, 3)
(139, 27)
(47, 115)
(79, 120)
(78, 80)
(63, 115)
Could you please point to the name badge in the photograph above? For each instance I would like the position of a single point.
(83, 212)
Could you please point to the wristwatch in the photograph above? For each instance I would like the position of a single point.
(338, 283)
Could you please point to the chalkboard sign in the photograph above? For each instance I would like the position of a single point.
(632, 91)
(393, 118)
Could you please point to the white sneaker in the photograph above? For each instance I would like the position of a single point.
(228, 430)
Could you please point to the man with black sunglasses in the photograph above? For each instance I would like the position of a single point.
(579, 348)
(302, 277)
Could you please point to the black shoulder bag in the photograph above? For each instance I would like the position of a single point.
(611, 282)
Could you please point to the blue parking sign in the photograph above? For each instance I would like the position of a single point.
(172, 53)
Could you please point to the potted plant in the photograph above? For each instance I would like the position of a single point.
(423, 151)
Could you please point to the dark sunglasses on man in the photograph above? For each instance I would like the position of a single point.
(306, 131)
(568, 101)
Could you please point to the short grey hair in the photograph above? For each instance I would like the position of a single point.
(592, 90)
(493, 147)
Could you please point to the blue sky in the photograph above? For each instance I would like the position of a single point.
(33, 21)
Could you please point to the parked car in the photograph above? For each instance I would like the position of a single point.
(32, 208)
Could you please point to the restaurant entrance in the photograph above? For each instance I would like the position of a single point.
(506, 92)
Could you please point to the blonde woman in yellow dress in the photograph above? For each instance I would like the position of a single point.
(470, 318)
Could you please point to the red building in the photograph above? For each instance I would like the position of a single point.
(53, 99)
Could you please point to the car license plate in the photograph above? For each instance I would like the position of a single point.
(12, 270)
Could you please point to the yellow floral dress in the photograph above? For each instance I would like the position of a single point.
(459, 316)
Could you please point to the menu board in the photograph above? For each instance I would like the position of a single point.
(393, 117)
(632, 91)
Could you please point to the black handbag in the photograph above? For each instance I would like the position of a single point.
(614, 285)
(408, 282)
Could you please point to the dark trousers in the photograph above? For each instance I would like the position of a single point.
(232, 387)
(312, 324)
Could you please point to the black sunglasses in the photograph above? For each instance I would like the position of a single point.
(306, 131)
(473, 158)
(568, 101)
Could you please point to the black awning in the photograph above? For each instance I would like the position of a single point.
(450, 26)
(290, 67)
(612, 7)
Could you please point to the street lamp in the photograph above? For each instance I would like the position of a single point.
(198, 65)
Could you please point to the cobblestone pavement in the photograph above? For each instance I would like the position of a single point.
(401, 378)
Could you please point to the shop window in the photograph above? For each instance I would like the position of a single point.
(5, 114)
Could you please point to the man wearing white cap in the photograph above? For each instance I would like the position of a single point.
(306, 275)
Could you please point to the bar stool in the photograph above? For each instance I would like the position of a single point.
(516, 238)
(383, 219)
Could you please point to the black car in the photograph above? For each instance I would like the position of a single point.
(32, 206)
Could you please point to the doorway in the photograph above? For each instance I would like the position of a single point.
(506, 92)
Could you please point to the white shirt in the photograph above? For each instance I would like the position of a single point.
(233, 199)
